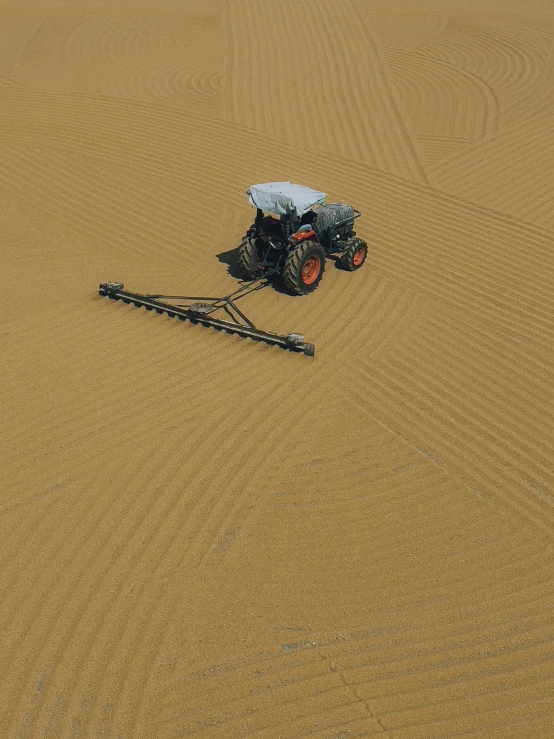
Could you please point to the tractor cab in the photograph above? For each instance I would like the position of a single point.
(292, 204)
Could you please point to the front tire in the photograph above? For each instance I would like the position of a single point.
(354, 255)
(304, 268)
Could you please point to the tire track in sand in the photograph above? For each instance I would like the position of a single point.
(469, 636)
(134, 630)
(144, 66)
(510, 57)
(346, 105)
(437, 148)
(512, 173)
(429, 583)
(292, 693)
(441, 99)
(145, 483)
(173, 25)
(405, 235)
(220, 520)
(379, 670)
(403, 30)
(511, 63)
(488, 424)
(475, 638)
(167, 80)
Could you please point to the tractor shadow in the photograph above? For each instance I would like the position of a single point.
(229, 258)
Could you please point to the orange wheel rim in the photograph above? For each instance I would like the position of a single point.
(310, 269)
(358, 256)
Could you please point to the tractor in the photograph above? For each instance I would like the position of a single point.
(293, 234)
(291, 237)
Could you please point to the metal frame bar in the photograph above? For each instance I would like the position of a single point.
(344, 221)
(198, 310)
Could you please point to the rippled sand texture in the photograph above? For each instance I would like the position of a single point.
(203, 536)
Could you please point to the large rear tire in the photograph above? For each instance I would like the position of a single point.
(304, 268)
(246, 260)
(354, 254)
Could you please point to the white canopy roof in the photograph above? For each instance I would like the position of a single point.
(284, 198)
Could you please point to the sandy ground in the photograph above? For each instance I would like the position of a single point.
(204, 536)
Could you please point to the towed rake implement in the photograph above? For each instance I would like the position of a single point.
(201, 311)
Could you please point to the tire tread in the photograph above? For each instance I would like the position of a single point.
(293, 265)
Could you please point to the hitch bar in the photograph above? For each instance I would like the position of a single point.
(199, 311)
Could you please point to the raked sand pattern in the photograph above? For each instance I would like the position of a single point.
(203, 536)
